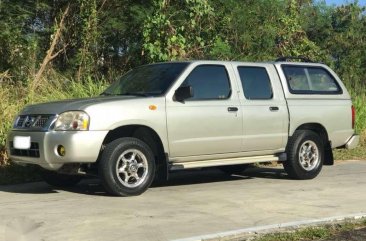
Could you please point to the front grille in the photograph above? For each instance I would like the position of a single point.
(42, 121)
(33, 151)
(21, 120)
(33, 121)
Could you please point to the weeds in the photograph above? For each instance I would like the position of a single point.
(311, 233)
(358, 100)
(314, 233)
(15, 97)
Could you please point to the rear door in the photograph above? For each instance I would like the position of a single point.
(211, 121)
(265, 114)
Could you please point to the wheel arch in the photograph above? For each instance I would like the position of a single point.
(322, 132)
(147, 135)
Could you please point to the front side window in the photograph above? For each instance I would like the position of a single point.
(209, 82)
(310, 80)
(256, 83)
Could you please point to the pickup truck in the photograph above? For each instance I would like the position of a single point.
(170, 116)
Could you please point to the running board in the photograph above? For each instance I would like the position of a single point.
(225, 162)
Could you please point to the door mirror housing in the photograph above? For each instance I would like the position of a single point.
(183, 93)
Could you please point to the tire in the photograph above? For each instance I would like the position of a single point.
(234, 169)
(305, 155)
(126, 167)
(60, 180)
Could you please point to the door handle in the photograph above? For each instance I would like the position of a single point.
(273, 108)
(232, 109)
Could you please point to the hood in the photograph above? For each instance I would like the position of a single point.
(58, 107)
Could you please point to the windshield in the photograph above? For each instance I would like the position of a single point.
(147, 80)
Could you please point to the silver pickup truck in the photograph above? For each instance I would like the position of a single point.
(179, 115)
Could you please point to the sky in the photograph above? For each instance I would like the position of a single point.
(339, 2)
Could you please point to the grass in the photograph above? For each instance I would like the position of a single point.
(313, 233)
(15, 96)
(359, 101)
(359, 153)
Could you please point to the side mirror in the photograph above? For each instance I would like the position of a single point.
(183, 93)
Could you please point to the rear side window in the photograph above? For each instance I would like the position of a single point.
(310, 80)
(209, 82)
(256, 83)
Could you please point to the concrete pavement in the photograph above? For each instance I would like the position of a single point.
(192, 203)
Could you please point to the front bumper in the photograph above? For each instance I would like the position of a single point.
(352, 142)
(80, 146)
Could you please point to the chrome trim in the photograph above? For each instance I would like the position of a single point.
(132, 168)
(352, 142)
(29, 122)
(309, 155)
(223, 162)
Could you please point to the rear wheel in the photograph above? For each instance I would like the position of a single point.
(127, 167)
(234, 169)
(305, 155)
(60, 180)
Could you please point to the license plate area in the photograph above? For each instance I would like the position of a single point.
(33, 151)
(22, 142)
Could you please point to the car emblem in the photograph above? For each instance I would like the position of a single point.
(29, 122)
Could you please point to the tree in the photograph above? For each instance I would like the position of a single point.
(347, 44)
(52, 52)
(292, 39)
(179, 30)
(250, 31)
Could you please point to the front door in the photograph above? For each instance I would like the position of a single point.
(211, 121)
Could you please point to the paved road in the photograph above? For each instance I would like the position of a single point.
(191, 204)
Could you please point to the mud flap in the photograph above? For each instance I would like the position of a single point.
(328, 155)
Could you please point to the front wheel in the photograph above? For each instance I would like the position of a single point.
(305, 155)
(127, 167)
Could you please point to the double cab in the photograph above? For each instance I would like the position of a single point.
(180, 115)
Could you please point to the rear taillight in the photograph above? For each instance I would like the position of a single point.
(353, 117)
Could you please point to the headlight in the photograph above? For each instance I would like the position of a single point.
(72, 121)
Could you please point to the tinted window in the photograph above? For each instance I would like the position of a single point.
(209, 82)
(255, 82)
(321, 80)
(310, 80)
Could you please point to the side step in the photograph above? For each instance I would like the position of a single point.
(224, 162)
